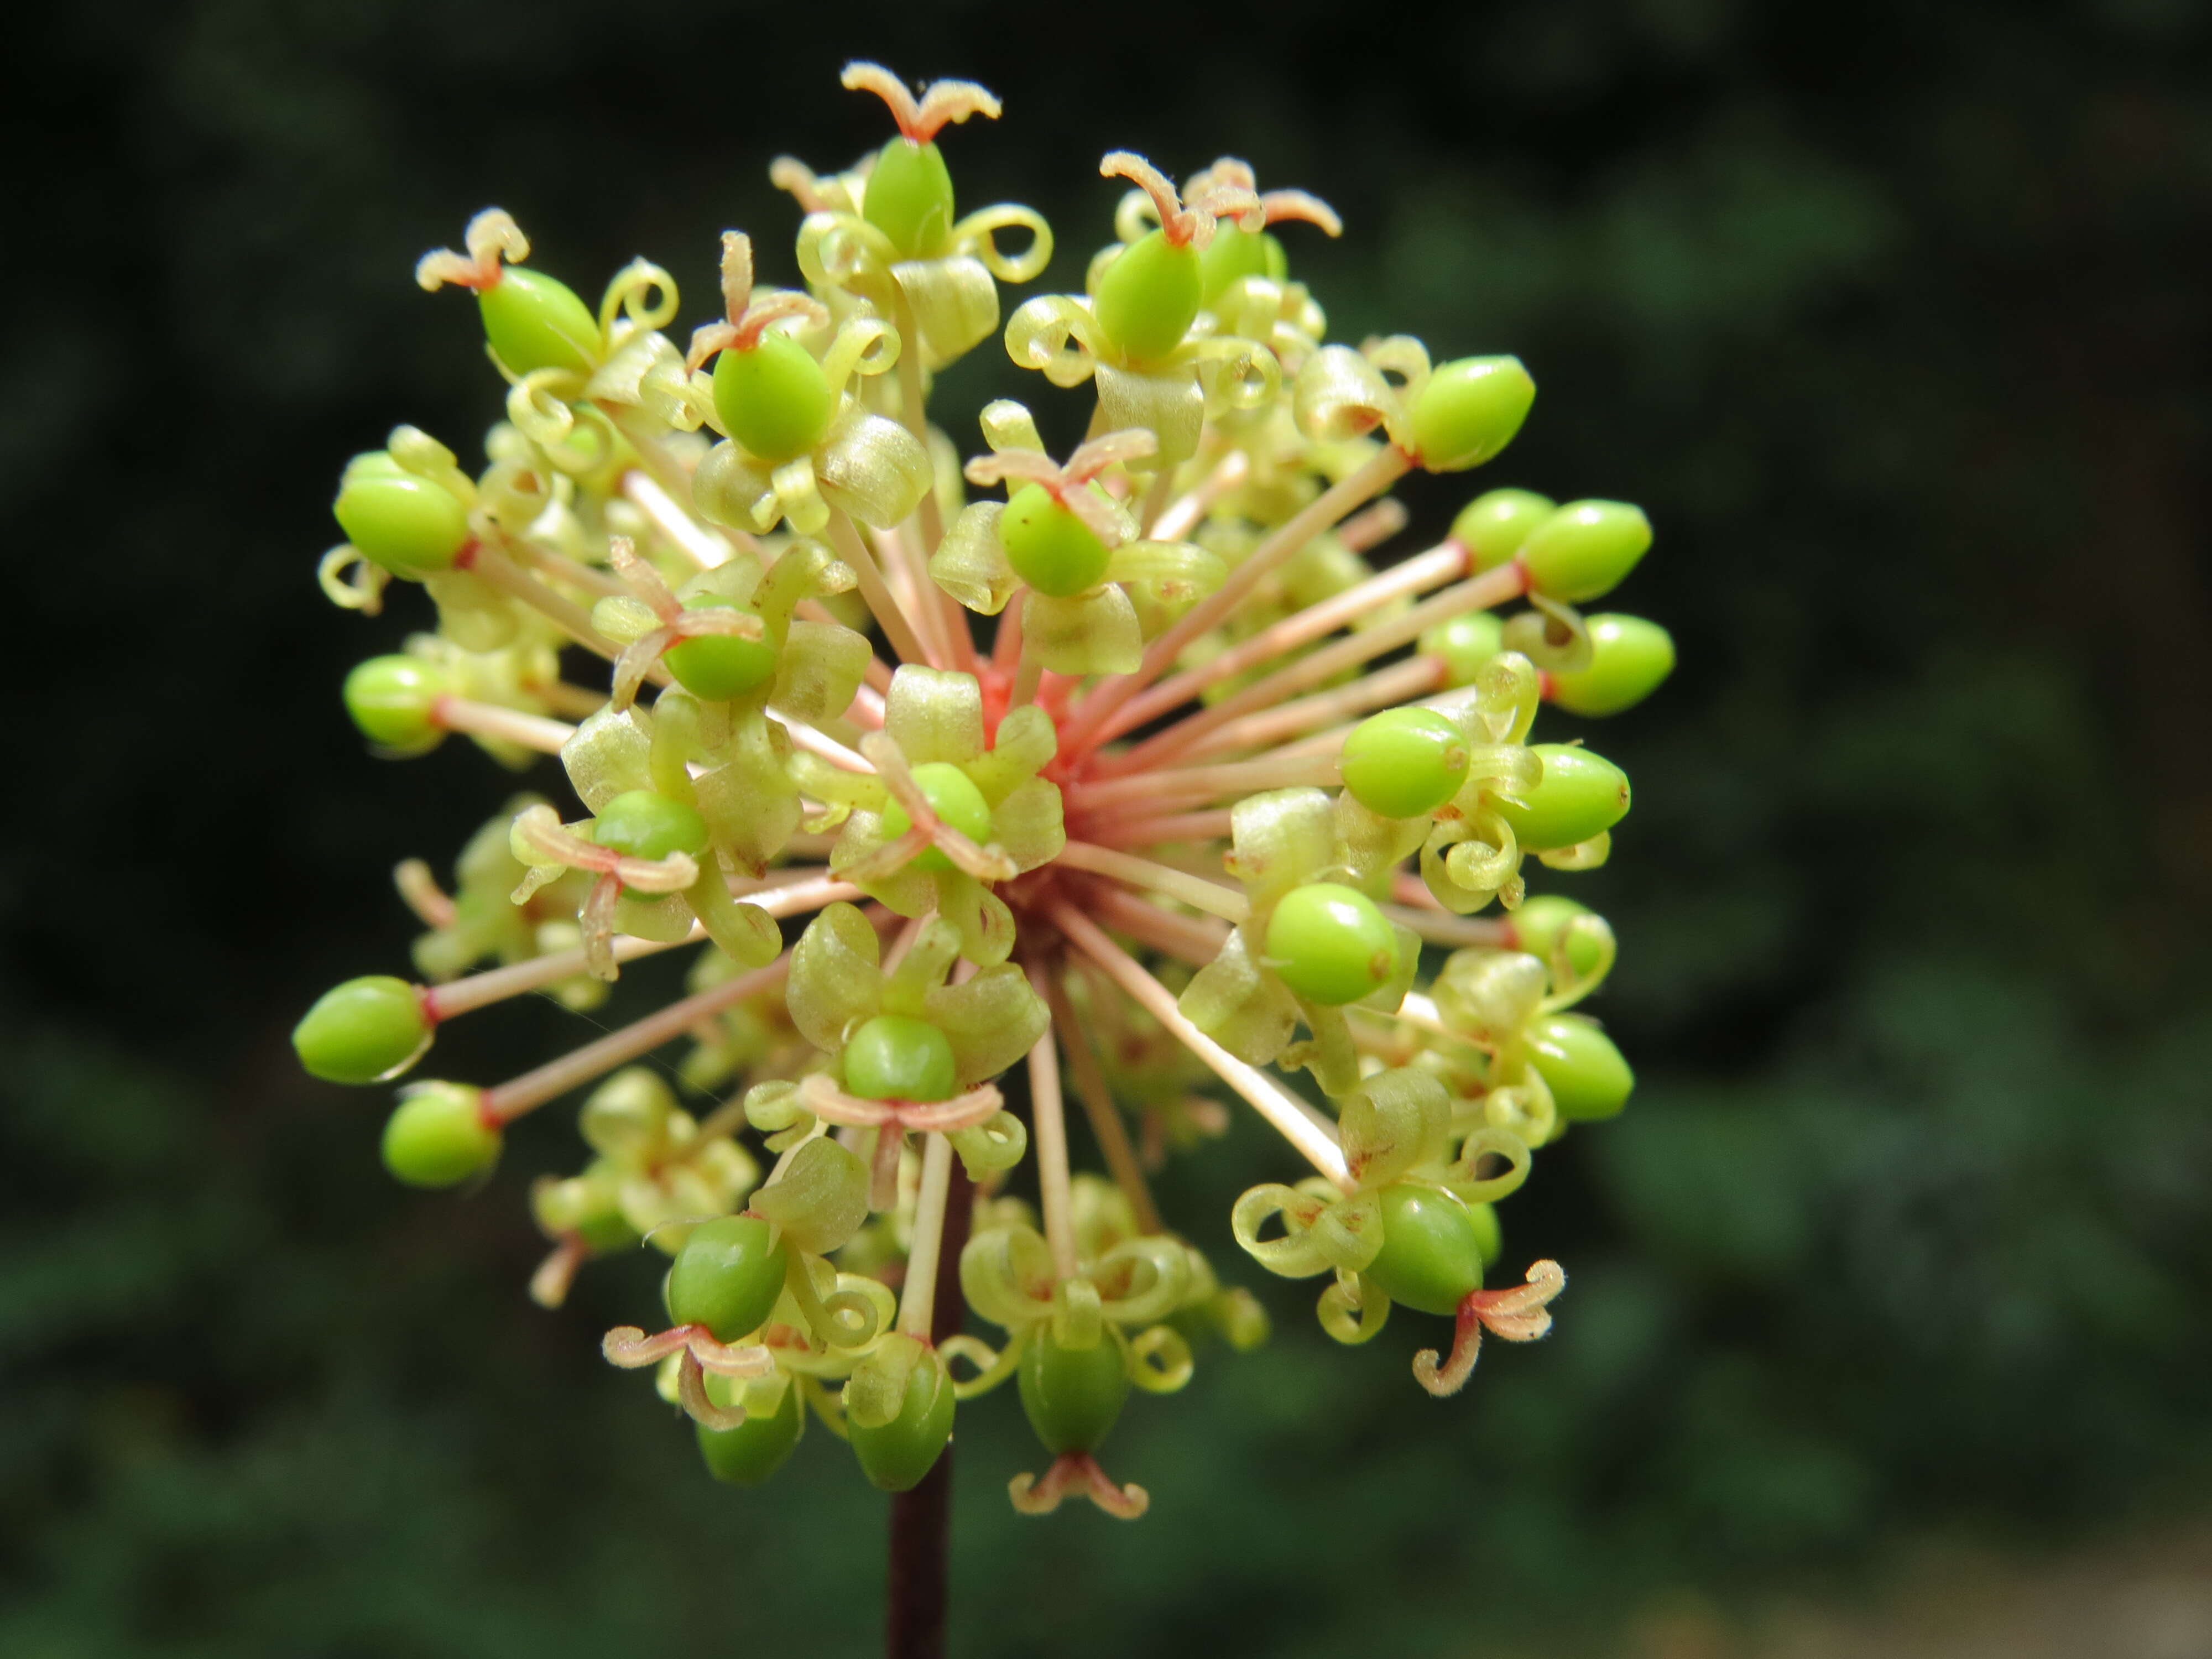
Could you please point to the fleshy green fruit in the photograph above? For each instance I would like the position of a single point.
(1235, 254)
(1049, 548)
(1579, 796)
(1405, 762)
(909, 197)
(640, 824)
(1431, 1254)
(953, 796)
(363, 1031)
(1465, 643)
(1073, 1396)
(1492, 527)
(1148, 297)
(755, 1448)
(1330, 944)
(390, 700)
(896, 1454)
(727, 1277)
(1469, 410)
(895, 1057)
(405, 523)
(1629, 660)
(1584, 1071)
(535, 321)
(1539, 922)
(773, 397)
(438, 1136)
(1582, 551)
(719, 666)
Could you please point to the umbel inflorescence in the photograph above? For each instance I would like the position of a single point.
(1118, 796)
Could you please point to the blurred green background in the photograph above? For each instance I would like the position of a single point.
(1893, 317)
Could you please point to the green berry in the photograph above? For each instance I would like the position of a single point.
(773, 397)
(953, 796)
(895, 1455)
(1050, 548)
(1405, 762)
(391, 699)
(727, 1277)
(1148, 297)
(1235, 254)
(895, 1057)
(1073, 1396)
(405, 523)
(909, 197)
(1580, 795)
(1629, 659)
(1469, 410)
(535, 321)
(640, 824)
(1431, 1254)
(1584, 1071)
(1465, 643)
(719, 666)
(1492, 527)
(1330, 944)
(438, 1136)
(1539, 922)
(747, 1455)
(1582, 551)
(363, 1031)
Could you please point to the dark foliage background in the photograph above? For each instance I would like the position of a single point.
(1892, 315)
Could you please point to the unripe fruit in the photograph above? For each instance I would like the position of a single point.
(363, 1031)
(1492, 527)
(535, 321)
(1581, 551)
(1431, 1254)
(1049, 548)
(727, 1277)
(1235, 254)
(438, 1136)
(1148, 297)
(1330, 944)
(640, 824)
(1539, 922)
(406, 523)
(895, 1057)
(1469, 410)
(1465, 643)
(1584, 1071)
(1405, 762)
(1579, 796)
(719, 666)
(773, 397)
(390, 700)
(1629, 659)
(909, 197)
(896, 1454)
(953, 796)
(755, 1448)
(1073, 1396)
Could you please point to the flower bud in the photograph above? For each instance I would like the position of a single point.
(1431, 1254)
(391, 698)
(1149, 297)
(408, 524)
(1580, 795)
(1073, 1396)
(1492, 527)
(1584, 1071)
(534, 321)
(363, 1031)
(438, 1136)
(1465, 643)
(727, 1277)
(1469, 410)
(1581, 551)
(747, 1455)
(1629, 660)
